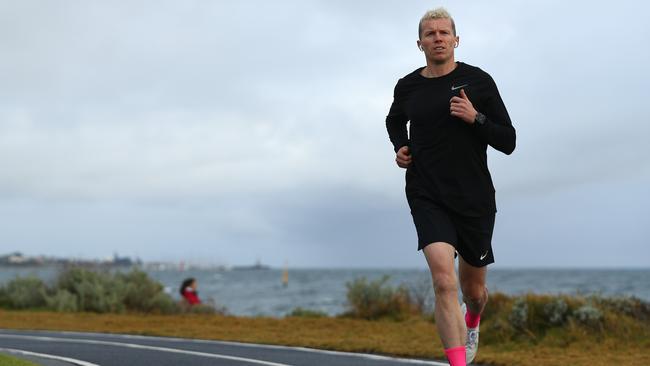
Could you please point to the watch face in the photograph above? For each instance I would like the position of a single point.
(480, 118)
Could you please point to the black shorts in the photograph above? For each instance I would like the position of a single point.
(434, 222)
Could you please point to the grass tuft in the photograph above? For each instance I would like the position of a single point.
(14, 361)
(307, 313)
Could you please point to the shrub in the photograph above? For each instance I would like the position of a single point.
(62, 301)
(81, 289)
(95, 291)
(588, 315)
(560, 318)
(518, 316)
(630, 306)
(141, 293)
(376, 299)
(105, 292)
(498, 303)
(556, 311)
(421, 295)
(23, 293)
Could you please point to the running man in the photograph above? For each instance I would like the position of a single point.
(455, 111)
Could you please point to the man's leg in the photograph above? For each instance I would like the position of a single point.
(472, 280)
(449, 320)
(473, 286)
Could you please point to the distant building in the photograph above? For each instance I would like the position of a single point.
(124, 261)
(18, 259)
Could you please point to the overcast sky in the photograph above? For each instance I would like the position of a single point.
(227, 131)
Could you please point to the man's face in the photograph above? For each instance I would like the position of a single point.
(438, 40)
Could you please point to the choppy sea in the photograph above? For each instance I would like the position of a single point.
(251, 292)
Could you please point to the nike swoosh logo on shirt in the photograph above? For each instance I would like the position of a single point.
(458, 87)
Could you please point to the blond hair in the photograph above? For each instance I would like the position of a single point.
(437, 13)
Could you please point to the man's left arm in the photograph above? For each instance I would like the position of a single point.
(492, 123)
(496, 129)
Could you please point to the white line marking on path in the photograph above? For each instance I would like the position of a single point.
(45, 355)
(257, 345)
(139, 346)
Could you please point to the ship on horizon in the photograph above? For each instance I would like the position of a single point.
(257, 266)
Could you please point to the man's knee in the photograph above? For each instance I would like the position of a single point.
(444, 284)
(474, 292)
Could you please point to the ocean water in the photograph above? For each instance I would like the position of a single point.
(261, 292)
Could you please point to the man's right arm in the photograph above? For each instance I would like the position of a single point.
(396, 121)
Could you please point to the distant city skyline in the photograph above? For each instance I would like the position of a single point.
(223, 133)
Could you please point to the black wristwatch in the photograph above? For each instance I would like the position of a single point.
(480, 119)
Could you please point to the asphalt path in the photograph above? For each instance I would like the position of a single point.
(99, 349)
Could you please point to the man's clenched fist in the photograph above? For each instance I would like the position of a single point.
(403, 158)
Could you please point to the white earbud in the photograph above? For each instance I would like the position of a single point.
(421, 49)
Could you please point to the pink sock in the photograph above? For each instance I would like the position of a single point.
(472, 320)
(456, 356)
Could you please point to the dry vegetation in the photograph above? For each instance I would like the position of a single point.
(413, 337)
(524, 330)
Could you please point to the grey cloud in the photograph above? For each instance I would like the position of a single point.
(264, 121)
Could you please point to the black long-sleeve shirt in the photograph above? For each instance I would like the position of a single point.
(450, 155)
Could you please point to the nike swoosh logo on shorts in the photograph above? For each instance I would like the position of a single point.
(484, 255)
(458, 87)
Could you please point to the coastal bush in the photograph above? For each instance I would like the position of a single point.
(95, 291)
(497, 303)
(141, 293)
(82, 289)
(518, 316)
(556, 311)
(376, 299)
(62, 301)
(588, 315)
(23, 293)
(560, 318)
(630, 306)
(104, 292)
(421, 295)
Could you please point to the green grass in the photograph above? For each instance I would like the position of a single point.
(12, 361)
